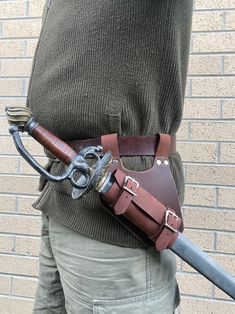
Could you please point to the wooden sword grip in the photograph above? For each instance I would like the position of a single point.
(53, 144)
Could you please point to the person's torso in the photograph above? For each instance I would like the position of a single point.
(111, 66)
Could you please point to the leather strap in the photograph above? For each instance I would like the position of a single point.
(130, 145)
(152, 217)
(109, 142)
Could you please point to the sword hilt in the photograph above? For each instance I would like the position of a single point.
(83, 176)
(22, 118)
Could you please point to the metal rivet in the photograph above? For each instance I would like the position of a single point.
(159, 162)
(114, 161)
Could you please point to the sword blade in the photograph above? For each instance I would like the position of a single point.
(204, 264)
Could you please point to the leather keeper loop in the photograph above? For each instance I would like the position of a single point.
(164, 145)
(109, 142)
(130, 188)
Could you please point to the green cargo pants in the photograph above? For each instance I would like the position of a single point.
(79, 275)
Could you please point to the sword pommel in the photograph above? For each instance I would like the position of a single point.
(18, 116)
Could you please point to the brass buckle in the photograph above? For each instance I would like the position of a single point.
(127, 189)
(169, 212)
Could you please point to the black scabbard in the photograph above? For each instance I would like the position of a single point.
(204, 264)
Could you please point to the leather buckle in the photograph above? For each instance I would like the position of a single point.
(168, 213)
(126, 188)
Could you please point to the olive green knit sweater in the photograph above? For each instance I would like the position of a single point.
(108, 66)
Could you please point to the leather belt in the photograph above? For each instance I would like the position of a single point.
(128, 145)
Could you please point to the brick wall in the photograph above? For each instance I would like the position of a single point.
(206, 141)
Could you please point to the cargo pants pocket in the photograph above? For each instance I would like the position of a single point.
(161, 301)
